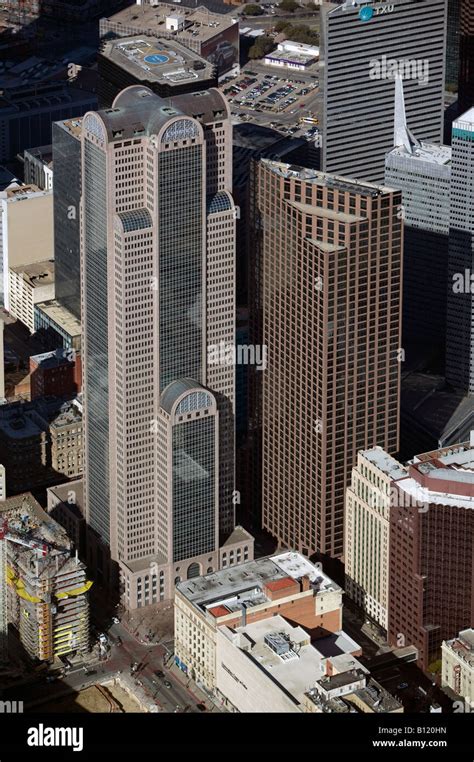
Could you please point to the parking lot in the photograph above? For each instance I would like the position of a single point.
(283, 101)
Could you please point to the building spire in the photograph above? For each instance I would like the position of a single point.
(402, 135)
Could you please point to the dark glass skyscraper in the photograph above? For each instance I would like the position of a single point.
(66, 137)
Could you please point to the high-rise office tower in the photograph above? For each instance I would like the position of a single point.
(460, 303)
(67, 203)
(158, 251)
(363, 48)
(367, 531)
(466, 55)
(422, 171)
(452, 43)
(330, 259)
(402, 522)
(431, 519)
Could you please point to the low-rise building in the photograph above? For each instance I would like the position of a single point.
(38, 166)
(57, 373)
(286, 584)
(30, 285)
(41, 442)
(67, 447)
(294, 55)
(52, 316)
(457, 671)
(214, 36)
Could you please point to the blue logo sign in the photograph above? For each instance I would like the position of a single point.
(366, 13)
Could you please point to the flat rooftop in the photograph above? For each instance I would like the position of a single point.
(425, 152)
(463, 646)
(158, 60)
(324, 178)
(61, 316)
(199, 24)
(465, 121)
(418, 494)
(288, 56)
(51, 359)
(37, 274)
(73, 126)
(299, 664)
(385, 462)
(226, 590)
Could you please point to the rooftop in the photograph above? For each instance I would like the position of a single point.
(61, 316)
(137, 112)
(158, 60)
(324, 178)
(25, 516)
(283, 651)
(425, 152)
(73, 126)
(418, 494)
(68, 414)
(245, 583)
(463, 646)
(37, 274)
(51, 359)
(465, 121)
(199, 23)
(385, 462)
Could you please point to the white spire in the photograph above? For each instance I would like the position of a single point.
(402, 135)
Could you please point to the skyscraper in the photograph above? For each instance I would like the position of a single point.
(330, 259)
(452, 42)
(363, 47)
(158, 291)
(67, 204)
(466, 55)
(431, 519)
(422, 171)
(460, 304)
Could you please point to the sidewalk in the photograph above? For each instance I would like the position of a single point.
(197, 693)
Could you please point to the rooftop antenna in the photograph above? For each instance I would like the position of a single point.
(401, 134)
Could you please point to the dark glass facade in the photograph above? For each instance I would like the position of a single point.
(194, 488)
(181, 264)
(67, 195)
(96, 346)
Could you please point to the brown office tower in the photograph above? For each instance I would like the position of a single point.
(466, 56)
(330, 258)
(431, 551)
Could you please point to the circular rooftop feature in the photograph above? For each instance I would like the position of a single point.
(156, 58)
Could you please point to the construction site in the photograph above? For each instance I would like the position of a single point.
(43, 584)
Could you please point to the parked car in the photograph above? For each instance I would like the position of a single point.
(402, 686)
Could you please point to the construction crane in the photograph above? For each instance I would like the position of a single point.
(42, 549)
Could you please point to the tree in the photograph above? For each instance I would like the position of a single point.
(282, 25)
(298, 32)
(288, 5)
(253, 10)
(262, 45)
